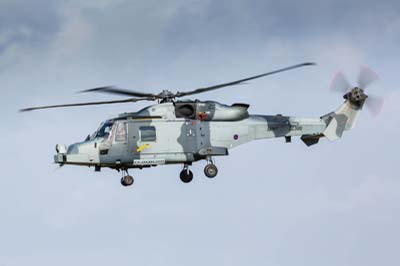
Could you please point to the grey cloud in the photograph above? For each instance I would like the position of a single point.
(32, 23)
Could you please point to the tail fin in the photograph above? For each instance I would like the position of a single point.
(345, 117)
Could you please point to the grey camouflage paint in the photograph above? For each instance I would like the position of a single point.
(213, 129)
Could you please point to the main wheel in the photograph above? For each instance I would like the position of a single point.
(186, 176)
(127, 180)
(210, 170)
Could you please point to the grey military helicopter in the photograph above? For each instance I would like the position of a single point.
(182, 132)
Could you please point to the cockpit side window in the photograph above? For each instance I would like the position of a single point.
(121, 132)
(147, 133)
(104, 131)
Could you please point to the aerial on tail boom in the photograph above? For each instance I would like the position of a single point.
(183, 132)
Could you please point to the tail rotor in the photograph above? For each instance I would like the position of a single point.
(340, 84)
(366, 78)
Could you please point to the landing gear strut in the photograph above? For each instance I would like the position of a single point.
(126, 180)
(210, 170)
(186, 175)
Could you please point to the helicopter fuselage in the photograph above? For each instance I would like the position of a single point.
(180, 133)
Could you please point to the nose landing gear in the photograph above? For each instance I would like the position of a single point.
(126, 180)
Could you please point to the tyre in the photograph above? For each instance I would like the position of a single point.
(127, 181)
(210, 170)
(186, 176)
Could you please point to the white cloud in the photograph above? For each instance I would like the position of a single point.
(73, 35)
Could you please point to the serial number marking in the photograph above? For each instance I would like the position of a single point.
(148, 161)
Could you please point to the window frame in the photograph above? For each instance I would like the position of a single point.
(116, 131)
(148, 138)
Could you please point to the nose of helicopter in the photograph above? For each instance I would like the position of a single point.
(81, 153)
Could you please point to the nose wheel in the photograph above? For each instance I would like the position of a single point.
(127, 180)
(186, 175)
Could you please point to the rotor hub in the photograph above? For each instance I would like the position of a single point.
(166, 96)
(356, 96)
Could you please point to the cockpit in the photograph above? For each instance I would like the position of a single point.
(103, 131)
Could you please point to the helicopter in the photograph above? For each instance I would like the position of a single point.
(182, 132)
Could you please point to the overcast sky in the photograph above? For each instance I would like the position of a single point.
(271, 204)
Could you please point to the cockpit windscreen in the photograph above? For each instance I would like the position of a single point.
(104, 130)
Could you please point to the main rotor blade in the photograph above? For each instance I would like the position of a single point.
(366, 77)
(200, 90)
(83, 104)
(118, 91)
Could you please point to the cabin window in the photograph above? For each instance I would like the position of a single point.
(121, 132)
(147, 133)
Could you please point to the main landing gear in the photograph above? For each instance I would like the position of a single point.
(210, 170)
(186, 175)
(126, 180)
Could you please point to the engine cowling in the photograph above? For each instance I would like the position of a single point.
(211, 111)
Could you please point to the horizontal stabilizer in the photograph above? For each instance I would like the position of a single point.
(310, 140)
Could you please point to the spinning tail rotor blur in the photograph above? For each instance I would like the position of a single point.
(366, 78)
